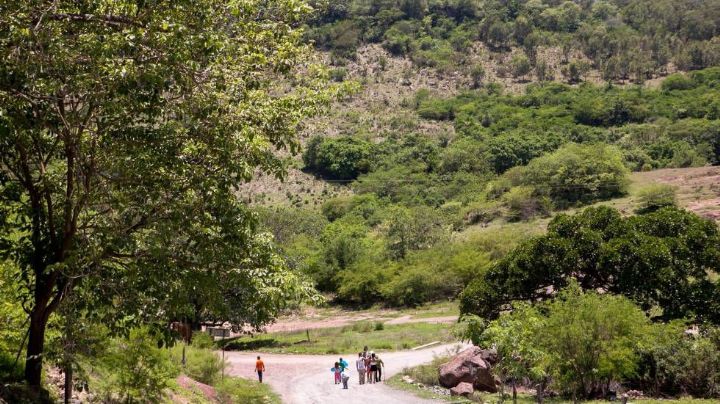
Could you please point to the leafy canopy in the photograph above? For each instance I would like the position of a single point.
(665, 261)
(125, 128)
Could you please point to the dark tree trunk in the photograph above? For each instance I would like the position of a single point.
(68, 382)
(514, 386)
(36, 347)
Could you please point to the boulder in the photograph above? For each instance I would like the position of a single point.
(462, 389)
(469, 366)
(484, 381)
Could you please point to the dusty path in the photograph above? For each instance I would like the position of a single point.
(306, 379)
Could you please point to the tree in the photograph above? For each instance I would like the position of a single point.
(515, 337)
(125, 129)
(477, 74)
(591, 340)
(575, 174)
(341, 158)
(520, 66)
(662, 260)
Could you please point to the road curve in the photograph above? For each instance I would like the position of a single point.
(306, 379)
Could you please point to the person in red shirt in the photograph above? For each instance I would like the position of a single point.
(259, 368)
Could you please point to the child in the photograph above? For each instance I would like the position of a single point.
(345, 379)
(337, 370)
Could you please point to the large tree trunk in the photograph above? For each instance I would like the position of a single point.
(68, 383)
(36, 346)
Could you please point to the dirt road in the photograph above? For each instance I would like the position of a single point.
(306, 379)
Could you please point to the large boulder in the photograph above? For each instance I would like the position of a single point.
(469, 366)
(462, 389)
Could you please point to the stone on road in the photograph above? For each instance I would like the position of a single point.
(306, 379)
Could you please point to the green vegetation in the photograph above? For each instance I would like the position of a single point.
(656, 196)
(134, 369)
(662, 260)
(621, 39)
(129, 131)
(236, 390)
(125, 130)
(513, 158)
(346, 340)
(581, 341)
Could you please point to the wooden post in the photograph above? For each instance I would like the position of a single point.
(307, 332)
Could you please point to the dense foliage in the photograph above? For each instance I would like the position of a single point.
(580, 343)
(125, 129)
(622, 39)
(665, 261)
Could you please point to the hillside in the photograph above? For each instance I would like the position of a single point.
(477, 123)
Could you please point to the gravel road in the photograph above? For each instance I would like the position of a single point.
(306, 379)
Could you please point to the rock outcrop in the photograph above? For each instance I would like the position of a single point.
(471, 366)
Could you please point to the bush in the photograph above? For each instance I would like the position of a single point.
(678, 81)
(678, 363)
(202, 365)
(520, 66)
(598, 335)
(419, 284)
(524, 204)
(338, 74)
(135, 369)
(575, 174)
(341, 158)
(202, 340)
(656, 196)
(437, 109)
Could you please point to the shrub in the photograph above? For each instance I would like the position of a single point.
(675, 362)
(338, 74)
(339, 158)
(202, 340)
(437, 109)
(575, 174)
(656, 196)
(678, 81)
(202, 365)
(135, 369)
(520, 66)
(419, 284)
(592, 340)
(524, 204)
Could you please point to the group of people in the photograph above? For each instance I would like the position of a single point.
(368, 365)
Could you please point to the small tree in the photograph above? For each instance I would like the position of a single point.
(477, 75)
(515, 337)
(592, 340)
(520, 66)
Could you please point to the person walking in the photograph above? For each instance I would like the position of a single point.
(368, 378)
(343, 364)
(360, 367)
(345, 379)
(380, 366)
(373, 367)
(338, 373)
(259, 368)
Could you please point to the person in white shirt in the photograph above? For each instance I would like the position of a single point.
(360, 365)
